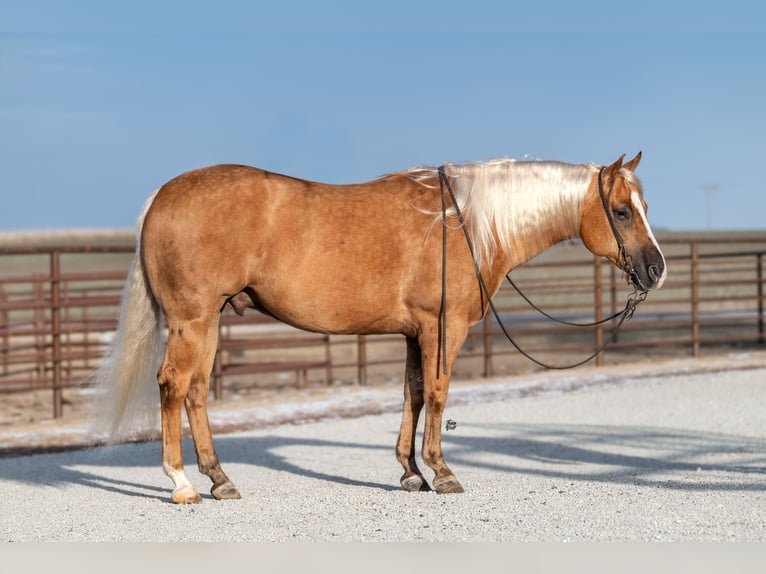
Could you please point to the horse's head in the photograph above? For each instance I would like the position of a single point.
(614, 225)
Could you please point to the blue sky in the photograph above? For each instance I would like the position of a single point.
(102, 102)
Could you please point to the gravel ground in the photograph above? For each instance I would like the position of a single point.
(678, 457)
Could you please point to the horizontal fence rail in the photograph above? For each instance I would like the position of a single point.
(59, 308)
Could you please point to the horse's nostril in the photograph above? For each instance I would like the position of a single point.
(654, 273)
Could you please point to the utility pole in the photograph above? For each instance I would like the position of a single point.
(709, 188)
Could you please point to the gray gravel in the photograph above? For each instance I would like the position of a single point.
(679, 458)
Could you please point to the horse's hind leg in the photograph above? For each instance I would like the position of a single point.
(186, 341)
(412, 479)
(196, 410)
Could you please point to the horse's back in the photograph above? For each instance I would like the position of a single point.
(216, 189)
(232, 193)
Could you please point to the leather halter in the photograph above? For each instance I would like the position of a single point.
(625, 259)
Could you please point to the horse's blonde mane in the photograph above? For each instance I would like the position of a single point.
(514, 199)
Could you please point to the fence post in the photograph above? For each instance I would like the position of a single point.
(695, 299)
(759, 274)
(56, 332)
(5, 322)
(328, 359)
(86, 330)
(40, 329)
(487, 338)
(361, 359)
(66, 331)
(598, 310)
(218, 365)
(613, 301)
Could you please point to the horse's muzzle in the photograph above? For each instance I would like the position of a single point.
(648, 271)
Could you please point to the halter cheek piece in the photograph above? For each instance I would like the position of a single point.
(639, 293)
(625, 259)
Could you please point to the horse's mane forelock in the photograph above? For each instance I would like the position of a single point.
(509, 197)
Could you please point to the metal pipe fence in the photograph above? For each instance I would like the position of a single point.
(59, 308)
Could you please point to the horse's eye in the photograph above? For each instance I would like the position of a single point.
(622, 213)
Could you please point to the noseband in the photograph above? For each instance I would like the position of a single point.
(639, 293)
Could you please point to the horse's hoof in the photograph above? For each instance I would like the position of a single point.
(225, 491)
(186, 495)
(447, 485)
(414, 483)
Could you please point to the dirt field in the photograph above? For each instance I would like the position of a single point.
(640, 453)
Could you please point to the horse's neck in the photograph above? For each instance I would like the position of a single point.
(519, 209)
(538, 229)
(535, 242)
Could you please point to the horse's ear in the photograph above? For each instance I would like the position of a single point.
(633, 164)
(615, 167)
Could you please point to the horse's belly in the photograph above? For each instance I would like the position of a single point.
(335, 311)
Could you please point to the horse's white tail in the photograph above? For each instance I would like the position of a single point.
(126, 380)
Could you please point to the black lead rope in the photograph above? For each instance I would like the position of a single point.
(562, 321)
(442, 339)
(634, 298)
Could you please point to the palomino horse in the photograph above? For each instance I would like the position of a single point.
(363, 258)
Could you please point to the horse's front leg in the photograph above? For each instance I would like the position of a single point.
(412, 479)
(436, 389)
